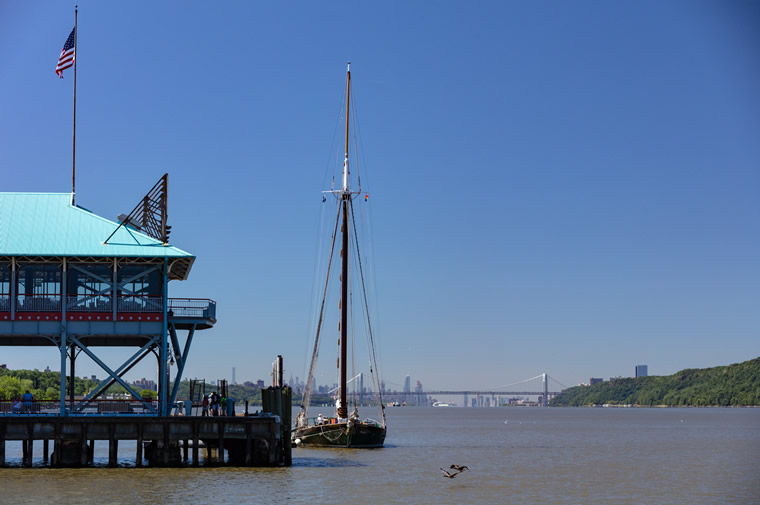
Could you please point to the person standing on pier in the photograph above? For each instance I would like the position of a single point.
(28, 400)
(204, 404)
(214, 404)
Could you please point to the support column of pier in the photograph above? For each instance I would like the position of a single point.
(139, 455)
(56, 459)
(220, 455)
(73, 358)
(28, 446)
(2, 445)
(62, 394)
(165, 452)
(248, 457)
(84, 453)
(113, 445)
(163, 372)
(196, 443)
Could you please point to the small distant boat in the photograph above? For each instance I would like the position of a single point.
(444, 404)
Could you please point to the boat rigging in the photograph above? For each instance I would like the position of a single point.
(343, 430)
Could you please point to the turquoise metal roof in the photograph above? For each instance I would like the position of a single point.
(46, 224)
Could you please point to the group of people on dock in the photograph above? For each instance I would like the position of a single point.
(213, 405)
(23, 403)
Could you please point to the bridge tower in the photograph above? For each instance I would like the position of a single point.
(545, 384)
(65, 283)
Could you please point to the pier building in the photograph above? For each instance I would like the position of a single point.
(76, 281)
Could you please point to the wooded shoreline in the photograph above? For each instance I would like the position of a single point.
(736, 385)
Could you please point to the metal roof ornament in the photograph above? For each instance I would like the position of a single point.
(149, 216)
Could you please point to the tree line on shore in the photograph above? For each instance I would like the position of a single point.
(736, 385)
(45, 386)
(249, 392)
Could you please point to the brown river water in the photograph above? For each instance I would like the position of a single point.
(516, 456)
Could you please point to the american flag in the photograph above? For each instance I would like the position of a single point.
(68, 54)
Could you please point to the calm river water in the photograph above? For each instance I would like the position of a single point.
(515, 456)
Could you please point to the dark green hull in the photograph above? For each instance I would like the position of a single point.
(359, 436)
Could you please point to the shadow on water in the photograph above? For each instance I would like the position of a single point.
(326, 463)
(297, 462)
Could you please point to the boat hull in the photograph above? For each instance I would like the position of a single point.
(359, 436)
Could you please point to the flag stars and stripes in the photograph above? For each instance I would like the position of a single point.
(68, 54)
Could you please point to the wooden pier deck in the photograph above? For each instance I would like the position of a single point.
(161, 441)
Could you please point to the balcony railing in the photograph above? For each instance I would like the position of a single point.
(140, 303)
(38, 303)
(194, 308)
(99, 407)
(89, 303)
(199, 308)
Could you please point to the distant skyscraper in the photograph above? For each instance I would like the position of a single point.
(641, 371)
(407, 384)
(361, 388)
(418, 389)
(233, 376)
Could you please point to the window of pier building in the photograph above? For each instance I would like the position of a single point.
(5, 287)
(89, 287)
(141, 287)
(38, 287)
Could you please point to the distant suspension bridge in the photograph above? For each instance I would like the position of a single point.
(540, 385)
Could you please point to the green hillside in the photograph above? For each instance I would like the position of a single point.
(736, 385)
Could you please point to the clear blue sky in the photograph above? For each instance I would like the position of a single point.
(561, 187)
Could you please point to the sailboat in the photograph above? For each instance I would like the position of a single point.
(343, 429)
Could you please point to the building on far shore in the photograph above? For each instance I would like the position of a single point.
(641, 371)
(594, 380)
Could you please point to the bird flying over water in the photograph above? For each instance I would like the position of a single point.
(459, 468)
(449, 475)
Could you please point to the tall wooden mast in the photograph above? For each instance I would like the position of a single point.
(342, 410)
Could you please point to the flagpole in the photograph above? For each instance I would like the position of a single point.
(74, 139)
